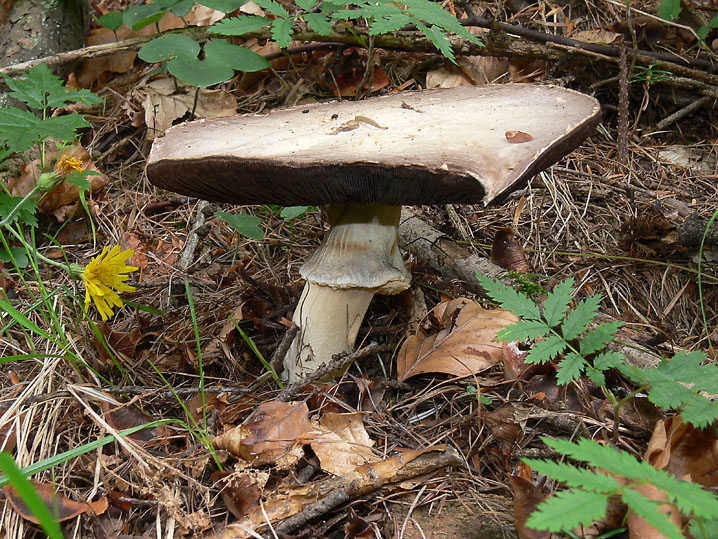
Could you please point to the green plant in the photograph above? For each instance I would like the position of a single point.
(42, 92)
(670, 10)
(207, 62)
(565, 336)
(586, 499)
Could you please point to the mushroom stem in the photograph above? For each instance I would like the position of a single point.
(358, 258)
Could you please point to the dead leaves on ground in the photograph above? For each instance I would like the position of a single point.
(464, 345)
(61, 506)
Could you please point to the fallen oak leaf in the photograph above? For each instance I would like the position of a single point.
(464, 346)
(343, 443)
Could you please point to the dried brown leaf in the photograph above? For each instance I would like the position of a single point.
(59, 505)
(465, 345)
(526, 499)
(274, 434)
(343, 443)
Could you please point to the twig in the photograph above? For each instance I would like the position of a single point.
(685, 111)
(277, 360)
(623, 106)
(338, 362)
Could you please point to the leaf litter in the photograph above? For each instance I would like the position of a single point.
(579, 207)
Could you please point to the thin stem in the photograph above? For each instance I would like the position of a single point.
(37, 254)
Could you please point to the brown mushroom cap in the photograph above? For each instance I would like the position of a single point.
(432, 147)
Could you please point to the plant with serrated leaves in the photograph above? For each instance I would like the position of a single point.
(565, 336)
(43, 93)
(615, 473)
(207, 62)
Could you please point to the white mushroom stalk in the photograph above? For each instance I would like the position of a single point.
(358, 258)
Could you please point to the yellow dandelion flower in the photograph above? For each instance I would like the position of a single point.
(105, 272)
(69, 164)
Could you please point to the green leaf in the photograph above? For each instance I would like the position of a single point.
(273, 7)
(225, 6)
(669, 9)
(177, 7)
(247, 225)
(689, 497)
(18, 129)
(34, 86)
(234, 56)
(111, 20)
(649, 510)
(198, 72)
(21, 319)
(567, 510)
(138, 17)
(600, 456)
(595, 375)
(292, 212)
(608, 360)
(576, 321)
(238, 26)
(546, 350)
(282, 32)
(306, 5)
(29, 495)
(17, 255)
(557, 302)
(26, 213)
(319, 22)
(64, 128)
(80, 179)
(704, 528)
(168, 47)
(220, 61)
(575, 477)
(570, 368)
(439, 39)
(391, 23)
(509, 299)
(523, 330)
(677, 382)
(597, 338)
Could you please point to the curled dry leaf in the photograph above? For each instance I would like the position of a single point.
(164, 101)
(127, 416)
(343, 443)
(465, 345)
(447, 77)
(518, 137)
(683, 450)
(602, 37)
(63, 507)
(506, 251)
(274, 434)
(61, 201)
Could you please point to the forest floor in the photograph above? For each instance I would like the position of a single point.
(607, 216)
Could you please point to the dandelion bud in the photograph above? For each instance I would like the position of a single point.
(48, 181)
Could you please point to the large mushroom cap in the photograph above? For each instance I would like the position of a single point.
(433, 147)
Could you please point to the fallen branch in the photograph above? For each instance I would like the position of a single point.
(297, 506)
(500, 41)
(443, 254)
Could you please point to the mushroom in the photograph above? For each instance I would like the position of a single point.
(364, 159)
